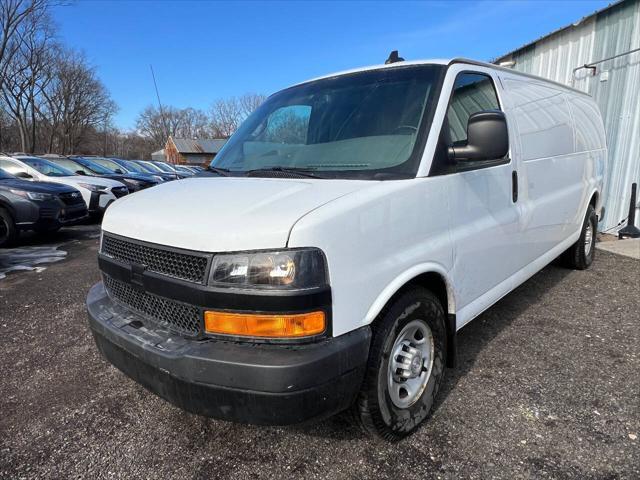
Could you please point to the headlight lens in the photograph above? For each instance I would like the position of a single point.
(93, 188)
(132, 184)
(298, 268)
(38, 196)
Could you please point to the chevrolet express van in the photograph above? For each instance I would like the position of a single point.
(342, 236)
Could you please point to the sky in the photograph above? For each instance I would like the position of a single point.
(202, 51)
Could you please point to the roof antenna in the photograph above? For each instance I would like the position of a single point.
(164, 120)
(393, 58)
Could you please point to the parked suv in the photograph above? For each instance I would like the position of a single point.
(130, 166)
(98, 193)
(39, 206)
(344, 234)
(93, 167)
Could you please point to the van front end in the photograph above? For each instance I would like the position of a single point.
(245, 337)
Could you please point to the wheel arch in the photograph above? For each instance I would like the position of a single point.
(434, 278)
(595, 202)
(7, 206)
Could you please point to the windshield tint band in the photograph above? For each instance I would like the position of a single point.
(369, 125)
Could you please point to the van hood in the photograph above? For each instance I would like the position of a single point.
(216, 214)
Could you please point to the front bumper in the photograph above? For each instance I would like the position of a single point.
(50, 214)
(243, 382)
(100, 201)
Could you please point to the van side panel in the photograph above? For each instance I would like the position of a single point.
(555, 178)
(590, 139)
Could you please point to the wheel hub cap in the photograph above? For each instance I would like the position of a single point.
(588, 238)
(410, 363)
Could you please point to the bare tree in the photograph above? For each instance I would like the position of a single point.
(182, 123)
(28, 74)
(13, 15)
(77, 103)
(227, 114)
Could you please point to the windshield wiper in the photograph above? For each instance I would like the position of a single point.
(303, 172)
(223, 172)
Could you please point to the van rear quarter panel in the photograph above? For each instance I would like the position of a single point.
(374, 240)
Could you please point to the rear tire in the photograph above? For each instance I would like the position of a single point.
(393, 402)
(8, 230)
(581, 254)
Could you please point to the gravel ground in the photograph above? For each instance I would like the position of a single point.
(548, 385)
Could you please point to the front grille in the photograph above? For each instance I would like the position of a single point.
(182, 318)
(71, 198)
(48, 213)
(119, 191)
(184, 266)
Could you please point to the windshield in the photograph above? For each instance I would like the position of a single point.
(73, 165)
(109, 164)
(93, 166)
(164, 167)
(132, 166)
(46, 167)
(151, 167)
(356, 125)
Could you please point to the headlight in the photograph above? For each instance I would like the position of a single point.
(297, 268)
(38, 196)
(132, 184)
(158, 178)
(93, 188)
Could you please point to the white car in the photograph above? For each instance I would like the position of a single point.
(344, 234)
(98, 193)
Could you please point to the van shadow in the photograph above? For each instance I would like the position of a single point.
(472, 339)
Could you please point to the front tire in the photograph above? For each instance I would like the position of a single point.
(406, 366)
(8, 230)
(581, 254)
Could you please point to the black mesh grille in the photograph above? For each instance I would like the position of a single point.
(182, 318)
(174, 264)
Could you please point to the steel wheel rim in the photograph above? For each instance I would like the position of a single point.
(588, 238)
(410, 364)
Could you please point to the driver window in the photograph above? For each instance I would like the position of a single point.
(472, 92)
(288, 125)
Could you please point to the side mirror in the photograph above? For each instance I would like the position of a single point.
(117, 170)
(487, 138)
(80, 172)
(24, 175)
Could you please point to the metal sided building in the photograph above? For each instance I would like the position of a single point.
(600, 55)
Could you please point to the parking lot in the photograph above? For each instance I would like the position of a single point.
(547, 386)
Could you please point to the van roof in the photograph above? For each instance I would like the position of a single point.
(445, 62)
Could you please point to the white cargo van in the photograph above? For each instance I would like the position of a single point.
(342, 236)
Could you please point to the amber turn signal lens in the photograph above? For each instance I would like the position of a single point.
(268, 326)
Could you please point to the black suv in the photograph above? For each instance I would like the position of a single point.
(39, 206)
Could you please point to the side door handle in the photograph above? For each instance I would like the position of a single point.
(514, 186)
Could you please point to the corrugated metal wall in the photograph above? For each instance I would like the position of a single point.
(615, 87)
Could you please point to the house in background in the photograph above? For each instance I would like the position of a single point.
(159, 155)
(187, 151)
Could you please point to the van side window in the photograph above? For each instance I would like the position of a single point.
(472, 92)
